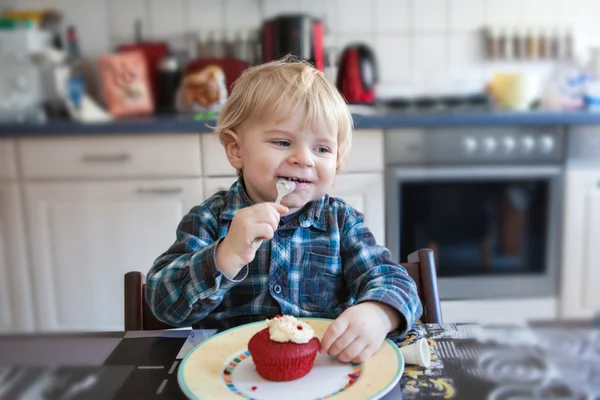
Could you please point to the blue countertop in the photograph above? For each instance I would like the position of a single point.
(387, 120)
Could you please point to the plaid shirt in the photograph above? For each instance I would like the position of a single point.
(317, 265)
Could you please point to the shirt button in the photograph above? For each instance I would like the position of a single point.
(277, 289)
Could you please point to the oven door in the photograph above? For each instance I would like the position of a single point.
(495, 230)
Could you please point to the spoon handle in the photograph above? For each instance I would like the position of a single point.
(257, 242)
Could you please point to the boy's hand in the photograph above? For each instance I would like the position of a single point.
(258, 221)
(359, 331)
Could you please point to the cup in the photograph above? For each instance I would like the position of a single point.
(417, 353)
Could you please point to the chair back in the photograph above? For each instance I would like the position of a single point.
(420, 267)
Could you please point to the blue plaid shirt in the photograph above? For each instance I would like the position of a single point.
(317, 265)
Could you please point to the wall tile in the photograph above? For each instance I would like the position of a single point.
(582, 14)
(205, 15)
(355, 16)
(430, 16)
(504, 13)
(343, 40)
(543, 13)
(394, 55)
(122, 17)
(324, 10)
(464, 49)
(271, 8)
(93, 32)
(393, 16)
(241, 14)
(465, 15)
(167, 19)
(430, 52)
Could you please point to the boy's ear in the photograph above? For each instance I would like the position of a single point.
(231, 142)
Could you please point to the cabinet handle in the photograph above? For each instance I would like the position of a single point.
(106, 158)
(159, 191)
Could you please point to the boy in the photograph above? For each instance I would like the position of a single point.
(318, 259)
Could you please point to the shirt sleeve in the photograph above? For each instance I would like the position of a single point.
(371, 274)
(184, 283)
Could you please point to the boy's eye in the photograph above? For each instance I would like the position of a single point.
(282, 143)
(323, 150)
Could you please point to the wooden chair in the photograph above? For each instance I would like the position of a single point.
(420, 266)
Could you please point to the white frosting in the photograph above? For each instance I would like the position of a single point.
(289, 329)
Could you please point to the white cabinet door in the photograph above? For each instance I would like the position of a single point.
(364, 192)
(16, 308)
(214, 185)
(86, 235)
(580, 297)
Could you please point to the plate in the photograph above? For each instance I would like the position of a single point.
(221, 368)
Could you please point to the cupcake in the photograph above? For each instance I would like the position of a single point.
(285, 350)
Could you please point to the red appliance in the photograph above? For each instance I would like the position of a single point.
(358, 74)
(299, 35)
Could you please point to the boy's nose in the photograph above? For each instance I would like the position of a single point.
(302, 157)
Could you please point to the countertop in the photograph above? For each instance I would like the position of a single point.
(371, 120)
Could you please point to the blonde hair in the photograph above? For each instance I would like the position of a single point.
(265, 89)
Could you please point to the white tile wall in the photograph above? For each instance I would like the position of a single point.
(419, 42)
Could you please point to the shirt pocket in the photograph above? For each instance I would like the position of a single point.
(321, 282)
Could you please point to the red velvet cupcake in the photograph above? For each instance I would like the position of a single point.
(284, 351)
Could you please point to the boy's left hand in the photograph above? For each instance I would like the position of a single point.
(359, 331)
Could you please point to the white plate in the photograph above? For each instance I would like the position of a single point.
(221, 368)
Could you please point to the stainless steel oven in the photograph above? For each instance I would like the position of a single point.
(487, 200)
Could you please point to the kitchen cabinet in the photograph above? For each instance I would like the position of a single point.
(87, 235)
(364, 192)
(580, 297)
(16, 308)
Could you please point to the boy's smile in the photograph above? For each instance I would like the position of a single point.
(303, 152)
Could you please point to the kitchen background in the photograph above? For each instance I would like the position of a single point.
(509, 198)
(422, 46)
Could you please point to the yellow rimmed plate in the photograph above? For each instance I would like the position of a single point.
(222, 368)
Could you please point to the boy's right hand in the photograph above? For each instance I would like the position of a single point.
(258, 221)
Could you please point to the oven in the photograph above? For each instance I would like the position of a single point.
(487, 200)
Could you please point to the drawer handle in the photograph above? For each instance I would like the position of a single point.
(106, 158)
(159, 191)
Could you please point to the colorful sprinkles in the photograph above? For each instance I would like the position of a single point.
(228, 379)
(352, 378)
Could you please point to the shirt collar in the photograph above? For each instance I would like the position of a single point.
(237, 198)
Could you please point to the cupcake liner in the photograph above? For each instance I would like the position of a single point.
(277, 361)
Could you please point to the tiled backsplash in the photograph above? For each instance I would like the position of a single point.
(422, 45)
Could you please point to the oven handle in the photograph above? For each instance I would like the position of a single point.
(415, 174)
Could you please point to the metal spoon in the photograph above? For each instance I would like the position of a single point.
(284, 187)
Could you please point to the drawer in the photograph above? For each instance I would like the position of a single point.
(166, 155)
(214, 160)
(366, 154)
(8, 162)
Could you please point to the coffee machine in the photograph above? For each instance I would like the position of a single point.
(299, 35)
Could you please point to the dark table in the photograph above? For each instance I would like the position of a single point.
(543, 361)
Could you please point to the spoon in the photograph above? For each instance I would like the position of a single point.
(284, 187)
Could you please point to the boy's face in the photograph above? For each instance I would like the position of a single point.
(275, 149)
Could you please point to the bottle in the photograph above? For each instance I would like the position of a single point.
(543, 44)
(532, 45)
(75, 62)
(568, 52)
(501, 44)
(517, 43)
(491, 43)
(554, 45)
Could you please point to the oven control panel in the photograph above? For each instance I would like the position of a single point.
(475, 145)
